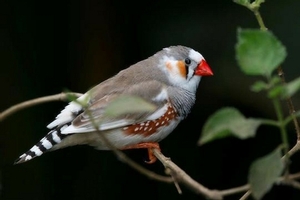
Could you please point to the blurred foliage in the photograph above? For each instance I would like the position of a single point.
(260, 53)
(264, 172)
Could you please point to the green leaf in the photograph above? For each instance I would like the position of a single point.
(242, 2)
(228, 122)
(259, 86)
(276, 91)
(259, 1)
(264, 173)
(128, 104)
(291, 88)
(258, 52)
(275, 80)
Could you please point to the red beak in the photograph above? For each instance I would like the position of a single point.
(203, 69)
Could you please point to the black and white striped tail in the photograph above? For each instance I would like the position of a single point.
(45, 144)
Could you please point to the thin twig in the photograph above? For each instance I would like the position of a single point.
(63, 97)
(185, 179)
(288, 100)
(289, 176)
(177, 174)
(293, 183)
(294, 176)
(293, 150)
(246, 195)
(290, 104)
(125, 159)
(235, 190)
(171, 173)
(33, 102)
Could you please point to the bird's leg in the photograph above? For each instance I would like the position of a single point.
(146, 145)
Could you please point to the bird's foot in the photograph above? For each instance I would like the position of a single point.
(146, 145)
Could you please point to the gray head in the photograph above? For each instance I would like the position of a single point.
(182, 66)
(177, 66)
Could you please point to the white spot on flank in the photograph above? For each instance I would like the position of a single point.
(125, 128)
(136, 129)
(157, 124)
(145, 128)
(157, 114)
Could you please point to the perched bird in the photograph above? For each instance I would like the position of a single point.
(168, 79)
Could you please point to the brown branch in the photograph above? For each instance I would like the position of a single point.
(288, 180)
(63, 97)
(177, 174)
(121, 156)
(235, 190)
(26, 104)
(293, 150)
(288, 100)
(246, 195)
(293, 183)
(125, 159)
(292, 112)
(294, 176)
(290, 104)
(185, 179)
(171, 173)
(288, 176)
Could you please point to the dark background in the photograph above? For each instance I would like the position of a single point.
(47, 47)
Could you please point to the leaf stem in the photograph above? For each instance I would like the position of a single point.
(259, 19)
(270, 122)
(255, 10)
(293, 114)
(290, 118)
(281, 121)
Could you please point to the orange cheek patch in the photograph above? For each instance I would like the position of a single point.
(181, 68)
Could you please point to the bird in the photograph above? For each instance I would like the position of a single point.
(168, 79)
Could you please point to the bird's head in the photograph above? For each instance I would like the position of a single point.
(183, 66)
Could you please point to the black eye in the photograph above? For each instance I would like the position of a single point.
(187, 61)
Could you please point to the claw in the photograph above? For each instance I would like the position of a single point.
(151, 157)
(149, 146)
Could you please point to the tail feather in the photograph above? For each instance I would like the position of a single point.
(45, 144)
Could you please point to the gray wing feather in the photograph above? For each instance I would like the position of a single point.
(147, 90)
